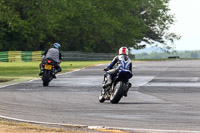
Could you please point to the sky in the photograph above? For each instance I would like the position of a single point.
(187, 23)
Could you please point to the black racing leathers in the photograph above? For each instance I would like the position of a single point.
(54, 55)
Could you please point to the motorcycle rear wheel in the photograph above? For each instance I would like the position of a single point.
(117, 93)
(45, 78)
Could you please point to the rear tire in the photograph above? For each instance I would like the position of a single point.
(45, 78)
(118, 93)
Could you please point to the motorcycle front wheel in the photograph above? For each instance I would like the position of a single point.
(101, 97)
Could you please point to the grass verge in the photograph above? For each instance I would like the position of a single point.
(13, 127)
(18, 127)
(11, 72)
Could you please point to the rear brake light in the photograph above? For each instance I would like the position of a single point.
(48, 61)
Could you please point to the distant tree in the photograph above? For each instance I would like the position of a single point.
(157, 21)
(84, 25)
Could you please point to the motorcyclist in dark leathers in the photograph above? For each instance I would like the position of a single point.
(120, 64)
(52, 54)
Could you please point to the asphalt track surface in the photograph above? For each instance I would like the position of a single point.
(165, 95)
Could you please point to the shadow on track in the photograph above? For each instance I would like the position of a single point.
(142, 103)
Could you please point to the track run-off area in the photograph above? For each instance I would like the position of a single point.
(165, 96)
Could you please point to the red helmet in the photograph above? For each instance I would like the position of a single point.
(123, 50)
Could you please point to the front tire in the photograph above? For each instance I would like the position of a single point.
(101, 97)
(118, 92)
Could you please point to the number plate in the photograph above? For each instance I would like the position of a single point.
(48, 67)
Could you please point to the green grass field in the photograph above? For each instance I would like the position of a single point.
(21, 71)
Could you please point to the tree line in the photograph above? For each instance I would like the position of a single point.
(84, 25)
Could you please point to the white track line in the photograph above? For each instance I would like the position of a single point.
(38, 122)
(138, 130)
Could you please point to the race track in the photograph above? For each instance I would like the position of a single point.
(165, 95)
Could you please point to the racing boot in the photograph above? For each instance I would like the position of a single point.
(109, 80)
(54, 73)
(129, 86)
(58, 70)
(41, 73)
(41, 70)
(54, 76)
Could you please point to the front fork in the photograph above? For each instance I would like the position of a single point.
(106, 90)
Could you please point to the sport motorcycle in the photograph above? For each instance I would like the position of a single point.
(49, 71)
(114, 92)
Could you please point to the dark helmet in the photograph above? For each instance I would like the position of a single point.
(57, 46)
